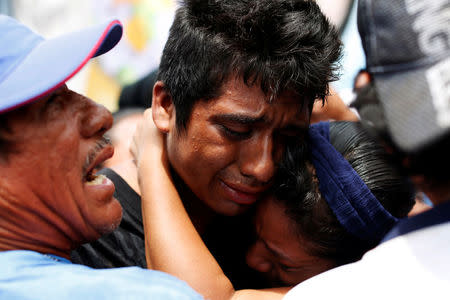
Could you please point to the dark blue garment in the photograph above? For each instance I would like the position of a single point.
(435, 216)
(352, 202)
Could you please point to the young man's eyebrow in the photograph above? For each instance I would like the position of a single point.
(237, 118)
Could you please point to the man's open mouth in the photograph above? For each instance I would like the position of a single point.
(95, 158)
(95, 179)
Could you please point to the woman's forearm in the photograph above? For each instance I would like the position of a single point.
(174, 246)
(172, 243)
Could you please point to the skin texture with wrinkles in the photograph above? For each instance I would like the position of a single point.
(45, 203)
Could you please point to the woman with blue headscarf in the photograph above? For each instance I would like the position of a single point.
(333, 199)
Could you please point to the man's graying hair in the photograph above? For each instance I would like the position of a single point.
(279, 45)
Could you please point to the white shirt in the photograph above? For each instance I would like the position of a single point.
(415, 265)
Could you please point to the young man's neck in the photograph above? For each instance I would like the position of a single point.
(201, 215)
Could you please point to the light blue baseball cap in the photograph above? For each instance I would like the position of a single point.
(31, 66)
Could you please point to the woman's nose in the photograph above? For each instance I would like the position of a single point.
(257, 259)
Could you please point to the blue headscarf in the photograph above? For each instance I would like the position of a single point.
(354, 205)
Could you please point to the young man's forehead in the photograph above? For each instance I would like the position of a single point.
(234, 89)
(269, 94)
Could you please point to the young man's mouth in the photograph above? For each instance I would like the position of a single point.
(240, 194)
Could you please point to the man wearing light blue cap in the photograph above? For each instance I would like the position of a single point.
(406, 103)
(51, 140)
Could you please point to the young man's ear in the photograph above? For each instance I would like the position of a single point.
(163, 109)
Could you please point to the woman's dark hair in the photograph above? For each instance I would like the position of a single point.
(279, 45)
(297, 188)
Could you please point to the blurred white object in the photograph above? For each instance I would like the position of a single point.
(342, 13)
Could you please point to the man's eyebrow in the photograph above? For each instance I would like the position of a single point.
(237, 118)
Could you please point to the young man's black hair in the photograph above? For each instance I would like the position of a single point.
(278, 45)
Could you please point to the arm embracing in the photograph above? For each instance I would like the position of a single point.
(172, 243)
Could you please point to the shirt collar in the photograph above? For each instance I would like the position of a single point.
(435, 216)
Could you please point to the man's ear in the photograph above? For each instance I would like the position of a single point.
(163, 110)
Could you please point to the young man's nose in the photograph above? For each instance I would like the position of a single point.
(256, 258)
(258, 161)
(96, 120)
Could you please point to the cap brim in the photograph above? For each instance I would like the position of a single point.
(50, 64)
(416, 105)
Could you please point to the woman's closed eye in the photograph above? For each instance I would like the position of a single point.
(286, 268)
